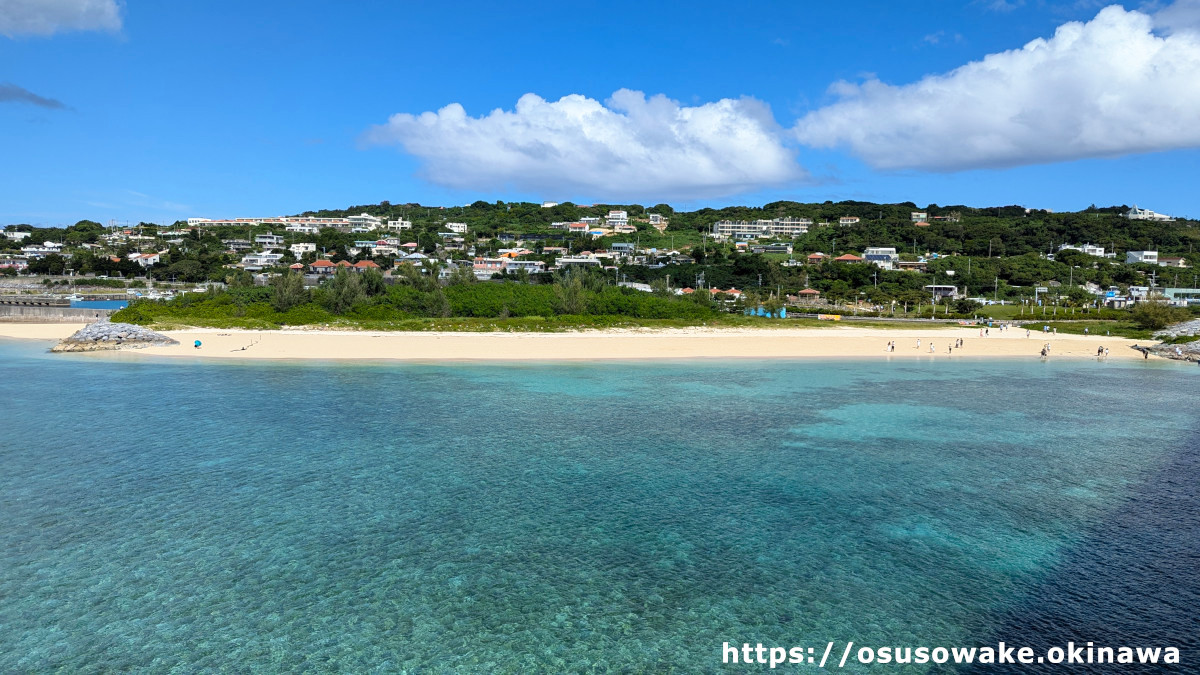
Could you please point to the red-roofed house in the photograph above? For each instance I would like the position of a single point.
(816, 257)
(848, 258)
(322, 267)
(364, 265)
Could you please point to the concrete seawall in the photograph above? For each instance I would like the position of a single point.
(27, 314)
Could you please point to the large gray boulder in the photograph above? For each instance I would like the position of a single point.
(104, 335)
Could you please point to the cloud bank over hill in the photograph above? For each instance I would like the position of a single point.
(1108, 87)
(628, 146)
(47, 17)
(1125, 82)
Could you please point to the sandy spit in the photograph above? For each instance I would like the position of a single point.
(652, 344)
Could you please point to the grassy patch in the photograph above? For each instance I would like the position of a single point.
(1125, 329)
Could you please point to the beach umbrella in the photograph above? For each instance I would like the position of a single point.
(197, 344)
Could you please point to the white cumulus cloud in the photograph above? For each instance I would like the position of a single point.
(1108, 87)
(628, 147)
(47, 17)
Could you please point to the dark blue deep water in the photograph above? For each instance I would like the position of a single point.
(167, 516)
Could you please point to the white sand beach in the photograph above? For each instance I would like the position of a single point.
(687, 343)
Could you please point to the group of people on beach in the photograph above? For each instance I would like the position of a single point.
(957, 344)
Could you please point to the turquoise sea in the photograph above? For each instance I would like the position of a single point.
(172, 516)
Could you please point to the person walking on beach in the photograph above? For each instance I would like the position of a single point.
(930, 346)
(1027, 333)
(918, 343)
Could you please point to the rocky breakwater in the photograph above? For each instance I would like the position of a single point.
(104, 335)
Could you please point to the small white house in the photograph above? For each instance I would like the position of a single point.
(1147, 257)
(299, 250)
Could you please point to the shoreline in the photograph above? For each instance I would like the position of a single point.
(835, 342)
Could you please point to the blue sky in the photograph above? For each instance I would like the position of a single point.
(157, 111)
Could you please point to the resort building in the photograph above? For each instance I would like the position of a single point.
(398, 225)
(364, 221)
(743, 229)
(269, 240)
(459, 228)
(1146, 214)
(918, 216)
(1172, 262)
(15, 235)
(302, 248)
(302, 229)
(846, 221)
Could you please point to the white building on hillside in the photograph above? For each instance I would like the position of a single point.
(885, 258)
(460, 228)
(1089, 249)
(1146, 214)
(744, 229)
(257, 261)
(1147, 257)
(617, 218)
(364, 220)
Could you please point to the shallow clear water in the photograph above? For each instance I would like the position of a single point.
(163, 515)
(100, 304)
